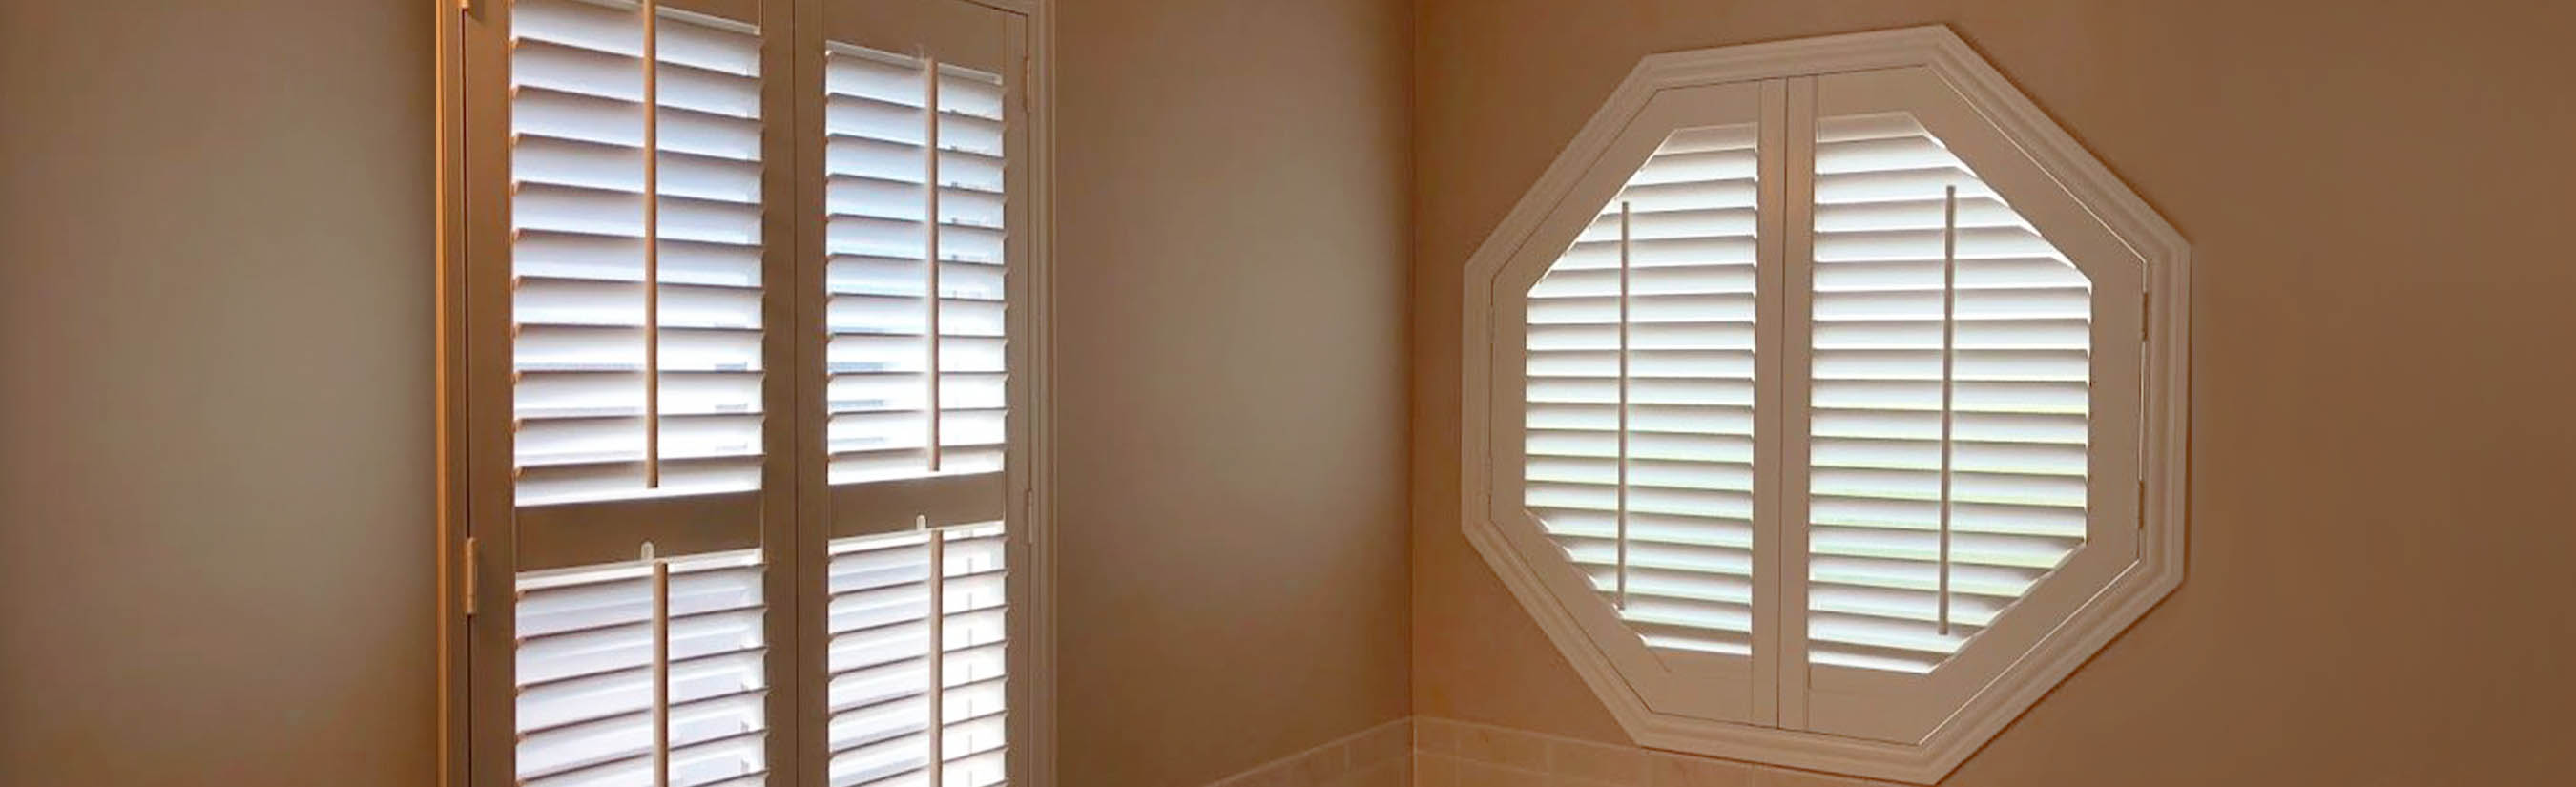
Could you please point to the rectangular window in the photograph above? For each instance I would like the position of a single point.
(746, 427)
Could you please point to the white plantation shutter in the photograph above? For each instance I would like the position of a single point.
(916, 389)
(585, 673)
(1824, 412)
(1949, 405)
(599, 415)
(1640, 395)
(888, 680)
(636, 353)
(917, 374)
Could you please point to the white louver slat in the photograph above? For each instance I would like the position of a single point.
(592, 420)
(1640, 375)
(916, 306)
(586, 644)
(1949, 409)
(883, 667)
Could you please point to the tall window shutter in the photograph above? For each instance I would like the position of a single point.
(918, 368)
(1951, 365)
(637, 345)
(1640, 394)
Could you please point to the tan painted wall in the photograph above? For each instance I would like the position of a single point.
(215, 435)
(1231, 246)
(2376, 192)
(1230, 283)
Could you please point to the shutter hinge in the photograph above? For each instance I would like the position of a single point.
(1028, 82)
(473, 576)
(2146, 313)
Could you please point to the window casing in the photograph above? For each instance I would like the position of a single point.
(748, 476)
(1829, 403)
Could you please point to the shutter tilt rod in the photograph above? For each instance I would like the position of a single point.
(661, 666)
(1949, 356)
(652, 248)
(1623, 406)
(930, 233)
(936, 733)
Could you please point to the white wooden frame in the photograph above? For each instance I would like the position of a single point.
(466, 566)
(2104, 599)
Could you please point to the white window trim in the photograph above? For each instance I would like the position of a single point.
(2158, 564)
(1035, 735)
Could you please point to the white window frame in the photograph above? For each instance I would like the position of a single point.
(1745, 710)
(469, 578)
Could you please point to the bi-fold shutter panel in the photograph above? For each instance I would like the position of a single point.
(916, 267)
(636, 357)
(585, 673)
(591, 414)
(893, 664)
(1641, 394)
(1948, 426)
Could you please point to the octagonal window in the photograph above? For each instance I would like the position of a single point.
(1829, 414)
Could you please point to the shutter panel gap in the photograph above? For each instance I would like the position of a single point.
(930, 224)
(1623, 406)
(652, 249)
(1949, 363)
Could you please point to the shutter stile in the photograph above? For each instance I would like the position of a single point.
(1640, 395)
(1945, 453)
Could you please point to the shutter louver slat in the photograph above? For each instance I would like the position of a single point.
(1639, 388)
(1951, 368)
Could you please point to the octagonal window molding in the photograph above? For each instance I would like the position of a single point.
(1826, 403)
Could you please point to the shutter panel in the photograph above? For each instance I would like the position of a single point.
(916, 299)
(636, 355)
(1949, 409)
(883, 667)
(1639, 421)
(586, 643)
(916, 307)
(589, 418)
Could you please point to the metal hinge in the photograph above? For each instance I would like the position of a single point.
(1028, 82)
(2146, 313)
(473, 576)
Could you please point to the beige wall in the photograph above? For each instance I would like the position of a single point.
(2378, 589)
(215, 468)
(1231, 245)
